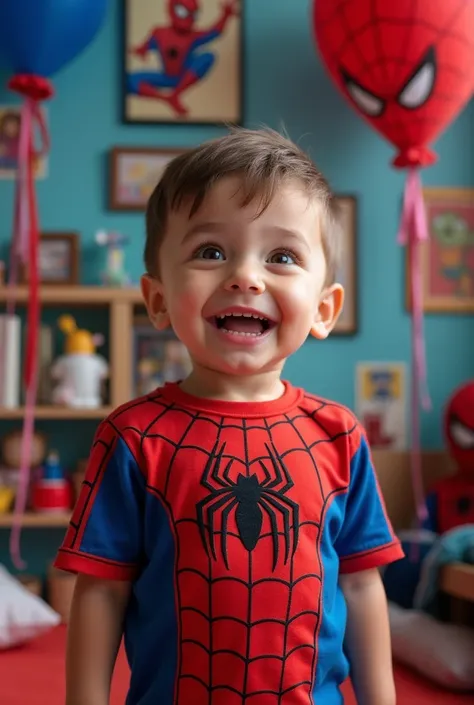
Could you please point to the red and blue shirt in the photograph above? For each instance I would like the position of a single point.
(234, 521)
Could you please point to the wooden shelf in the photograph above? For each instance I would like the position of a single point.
(57, 413)
(75, 295)
(32, 520)
(457, 580)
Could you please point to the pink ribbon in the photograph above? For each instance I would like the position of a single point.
(412, 233)
(18, 251)
(24, 252)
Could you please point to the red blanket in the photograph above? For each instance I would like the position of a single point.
(34, 675)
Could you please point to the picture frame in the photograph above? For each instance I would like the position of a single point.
(134, 173)
(347, 273)
(158, 357)
(182, 70)
(58, 259)
(447, 257)
(381, 403)
(10, 126)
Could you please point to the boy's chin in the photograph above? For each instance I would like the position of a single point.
(241, 366)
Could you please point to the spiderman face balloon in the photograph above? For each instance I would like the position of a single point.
(459, 428)
(406, 65)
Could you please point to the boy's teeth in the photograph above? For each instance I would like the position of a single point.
(235, 332)
(245, 315)
(247, 324)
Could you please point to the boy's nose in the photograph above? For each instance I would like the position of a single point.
(245, 279)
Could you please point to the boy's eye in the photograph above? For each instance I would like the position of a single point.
(209, 252)
(282, 258)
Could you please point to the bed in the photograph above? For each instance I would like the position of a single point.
(33, 675)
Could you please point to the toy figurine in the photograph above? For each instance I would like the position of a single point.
(115, 274)
(80, 372)
(52, 491)
(451, 501)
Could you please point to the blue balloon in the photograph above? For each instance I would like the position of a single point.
(41, 36)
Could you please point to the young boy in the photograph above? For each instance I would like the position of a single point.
(231, 525)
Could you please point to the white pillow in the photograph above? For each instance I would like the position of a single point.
(23, 616)
(443, 653)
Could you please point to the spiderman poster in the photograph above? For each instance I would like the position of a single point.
(182, 61)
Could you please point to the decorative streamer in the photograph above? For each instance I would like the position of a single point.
(413, 232)
(24, 251)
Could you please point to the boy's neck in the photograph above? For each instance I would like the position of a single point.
(209, 384)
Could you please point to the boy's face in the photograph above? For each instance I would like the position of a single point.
(243, 293)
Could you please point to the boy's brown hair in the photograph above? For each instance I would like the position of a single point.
(265, 160)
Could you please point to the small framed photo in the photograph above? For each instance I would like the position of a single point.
(10, 128)
(447, 257)
(58, 259)
(347, 273)
(158, 357)
(381, 403)
(134, 173)
(182, 62)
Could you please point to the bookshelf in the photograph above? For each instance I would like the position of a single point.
(122, 305)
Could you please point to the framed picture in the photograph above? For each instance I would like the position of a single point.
(158, 357)
(447, 258)
(181, 65)
(10, 126)
(347, 273)
(58, 259)
(381, 403)
(134, 173)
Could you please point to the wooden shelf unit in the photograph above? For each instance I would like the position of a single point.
(75, 295)
(31, 520)
(121, 303)
(457, 580)
(56, 413)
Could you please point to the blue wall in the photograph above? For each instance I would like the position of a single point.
(284, 84)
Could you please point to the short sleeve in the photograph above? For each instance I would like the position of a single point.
(366, 539)
(105, 535)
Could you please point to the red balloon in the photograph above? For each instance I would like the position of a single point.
(407, 66)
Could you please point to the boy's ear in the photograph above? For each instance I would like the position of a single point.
(329, 309)
(152, 292)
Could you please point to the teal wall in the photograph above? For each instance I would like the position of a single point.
(284, 84)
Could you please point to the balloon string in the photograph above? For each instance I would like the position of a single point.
(25, 248)
(19, 239)
(413, 232)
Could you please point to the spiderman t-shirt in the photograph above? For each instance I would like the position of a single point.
(233, 520)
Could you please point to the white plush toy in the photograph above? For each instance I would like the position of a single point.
(79, 374)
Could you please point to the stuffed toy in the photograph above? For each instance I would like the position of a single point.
(451, 501)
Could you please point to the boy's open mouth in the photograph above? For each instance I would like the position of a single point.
(249, 324)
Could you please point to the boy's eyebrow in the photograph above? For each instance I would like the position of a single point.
(216, 227)
(201, 228)
(288, 233)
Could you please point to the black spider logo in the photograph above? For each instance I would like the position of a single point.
(250, 498)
